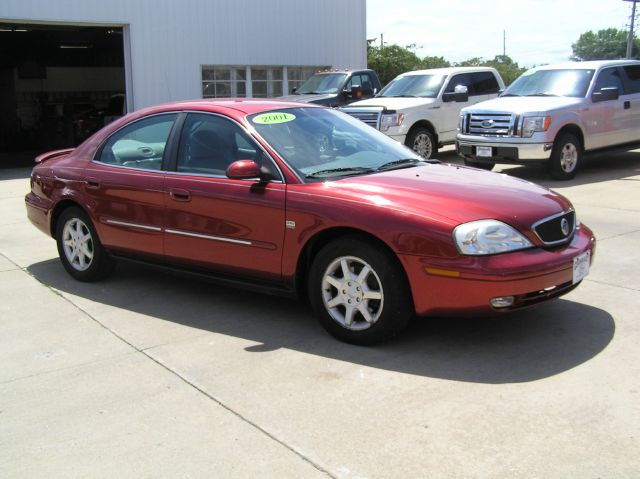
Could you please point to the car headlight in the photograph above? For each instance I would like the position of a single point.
(488, 237)
(390, 119)
(460, 121)
(531, 124)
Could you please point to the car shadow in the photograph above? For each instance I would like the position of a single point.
(521, 347)
(595, 169)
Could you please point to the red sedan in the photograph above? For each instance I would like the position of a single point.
(298, 199)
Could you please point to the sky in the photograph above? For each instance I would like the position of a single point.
(537, 31)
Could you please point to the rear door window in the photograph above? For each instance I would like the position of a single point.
(140, 144)
(484, 83)
(633, 78)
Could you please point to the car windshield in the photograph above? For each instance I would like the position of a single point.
(425, 86)
(322, 83)
(573, 83)
(322, 144)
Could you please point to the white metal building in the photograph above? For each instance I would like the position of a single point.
(155, 51)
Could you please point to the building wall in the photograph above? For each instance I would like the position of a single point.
(169, 40)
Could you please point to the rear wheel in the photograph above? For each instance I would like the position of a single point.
(566, 157)
(79, 247)
(422, 141)
(359, 292)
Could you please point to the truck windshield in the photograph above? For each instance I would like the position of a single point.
(322, 83)
(425, 86)
(573, 83)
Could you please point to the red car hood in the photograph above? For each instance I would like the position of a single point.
(457, 193)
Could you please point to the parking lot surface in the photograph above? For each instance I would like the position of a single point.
(151, 374)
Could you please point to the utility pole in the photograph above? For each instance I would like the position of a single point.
(630, 37)
(504, 43)
(382, 39)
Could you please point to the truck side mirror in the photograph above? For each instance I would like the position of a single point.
(356, 92)
(460, 94)
(294, 89)
(605, 94)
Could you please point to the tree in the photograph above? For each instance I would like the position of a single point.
(508, 69)
(391, 61)
(607, 44)
(434, 62)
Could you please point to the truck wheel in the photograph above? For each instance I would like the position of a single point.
(566, 157)
(421, 141)
(479, 165)
(359, 292)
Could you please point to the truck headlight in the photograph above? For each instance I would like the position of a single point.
(486, 237)
(390, 119)
(531, 124)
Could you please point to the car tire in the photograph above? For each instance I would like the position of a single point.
(79, 247)
(422, 141)
(479, 165)
(566, 157)
(359, 291)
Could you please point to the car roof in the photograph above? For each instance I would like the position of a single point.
(246, 106)
(587, 65)
(448, 70)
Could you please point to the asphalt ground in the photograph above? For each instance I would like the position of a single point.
(151, 374)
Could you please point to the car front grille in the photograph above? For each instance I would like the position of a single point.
(370, 116)
(556, 229)
(490, 124)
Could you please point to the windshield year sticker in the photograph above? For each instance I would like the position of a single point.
(273, 118)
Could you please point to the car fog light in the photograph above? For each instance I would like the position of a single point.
(502, 302)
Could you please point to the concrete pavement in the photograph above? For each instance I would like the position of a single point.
(150, 374)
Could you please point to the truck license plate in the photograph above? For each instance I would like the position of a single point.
(484, 151)
(581, 266)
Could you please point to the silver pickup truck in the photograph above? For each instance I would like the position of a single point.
(554, 115)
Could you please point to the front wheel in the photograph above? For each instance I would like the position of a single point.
(359, 292)
(79, 247)
(422, 141)
(566, 157)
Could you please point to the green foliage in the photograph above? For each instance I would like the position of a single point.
(434, 62)
(508, 69)
(607, 44)
(392, 60)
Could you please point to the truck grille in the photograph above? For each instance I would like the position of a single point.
(489, 124)
(371, 116)
(556, 229)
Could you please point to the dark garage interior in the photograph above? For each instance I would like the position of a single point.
(58, 84)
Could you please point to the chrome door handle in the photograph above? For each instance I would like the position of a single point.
(178, 194)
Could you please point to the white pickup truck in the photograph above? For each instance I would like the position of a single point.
(421, 108)
(553, 115)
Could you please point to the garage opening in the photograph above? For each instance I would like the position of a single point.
(58, 85)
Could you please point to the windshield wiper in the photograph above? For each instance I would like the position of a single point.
(402, 96)
(509, 94)
(542, 94)
(342, 172)
(404, 163)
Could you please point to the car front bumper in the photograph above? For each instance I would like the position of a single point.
(507, 152)
(466, 285)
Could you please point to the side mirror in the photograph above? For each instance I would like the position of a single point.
(244, 170)
(460, 94)
(294, 89)
(605, 94)
(356, 92)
